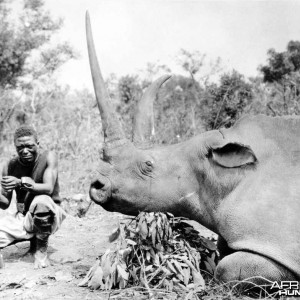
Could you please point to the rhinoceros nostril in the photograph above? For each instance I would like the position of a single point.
(100, 190)
(97, 185)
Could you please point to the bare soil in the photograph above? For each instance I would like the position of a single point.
(72, 251)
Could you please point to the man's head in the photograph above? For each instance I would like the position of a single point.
(26, 142)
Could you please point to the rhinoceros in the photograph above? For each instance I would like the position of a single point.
(243, 182)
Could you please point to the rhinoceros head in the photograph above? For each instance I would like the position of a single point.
(243, 183)
(184, 179)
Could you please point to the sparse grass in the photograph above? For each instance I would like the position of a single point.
(213, 291)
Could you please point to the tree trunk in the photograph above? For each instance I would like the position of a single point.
(1, 134)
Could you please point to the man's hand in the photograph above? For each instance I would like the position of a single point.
(27, 183)
(9, 183)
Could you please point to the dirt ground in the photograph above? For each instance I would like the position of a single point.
(72, 251)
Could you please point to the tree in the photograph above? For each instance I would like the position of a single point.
(69, 124)
(27, 61)
(227, 101)
(153, 71)
(177, 110)
(129, 91)
(282, 75)
(197, 66)
(17, 42)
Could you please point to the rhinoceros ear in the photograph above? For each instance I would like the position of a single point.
(233, 155)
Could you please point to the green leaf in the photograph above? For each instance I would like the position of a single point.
(125, 253)
(181, 286)
(96, 280)
(166, 271)
(170, 233)
(148, 256)
(114, 274)
(149, 268)
(140, 220)
(189, 295)
(159, 229)
(122, 273)
(171, 216)
(145, 247)
(212, 263)
(106, 266)
(197, 259)
(186, 275)
(133, 273)
(152, 227)
(153, 236)
(122, 283)
(161, 282)
(114, 235)
(156, 261)
(208, 267)
(191, 286)
(180, 277)
(152, 253)
(90, 274)
(130, 242)
(209, 244)
(198, 279)
(143, 230)
(171, 267)
(177, 266)
(159, 247)
(109, 283)
(150, 217)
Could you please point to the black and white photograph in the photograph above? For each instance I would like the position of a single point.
(149, 149)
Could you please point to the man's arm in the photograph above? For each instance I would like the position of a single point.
(49, 178)
(5, 195)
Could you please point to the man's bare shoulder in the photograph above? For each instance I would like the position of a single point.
(52, 159)
(4, 168)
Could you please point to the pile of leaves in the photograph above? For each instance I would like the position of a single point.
(154, 251)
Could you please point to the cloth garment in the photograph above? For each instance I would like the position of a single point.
(16, 227)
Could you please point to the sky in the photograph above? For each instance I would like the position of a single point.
(130, 33)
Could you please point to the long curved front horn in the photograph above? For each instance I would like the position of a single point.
(143, 124)
(111, 125)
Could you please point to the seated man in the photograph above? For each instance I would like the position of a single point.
(34, 178)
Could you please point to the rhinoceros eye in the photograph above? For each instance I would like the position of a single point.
(146, 167)
(149, 163)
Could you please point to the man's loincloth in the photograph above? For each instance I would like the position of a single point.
(15, 226)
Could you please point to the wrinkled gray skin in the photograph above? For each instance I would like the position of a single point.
(243, 183)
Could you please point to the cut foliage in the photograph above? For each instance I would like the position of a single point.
(154, 251)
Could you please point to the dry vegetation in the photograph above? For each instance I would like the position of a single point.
(157, 256)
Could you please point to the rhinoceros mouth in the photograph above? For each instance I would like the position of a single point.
(115, 206)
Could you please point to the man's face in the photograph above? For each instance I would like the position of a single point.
(27, 148)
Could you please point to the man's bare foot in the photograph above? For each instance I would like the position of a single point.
(40, 256)
(41, 260)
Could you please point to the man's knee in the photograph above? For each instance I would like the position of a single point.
(42, 214)
(41, 204)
